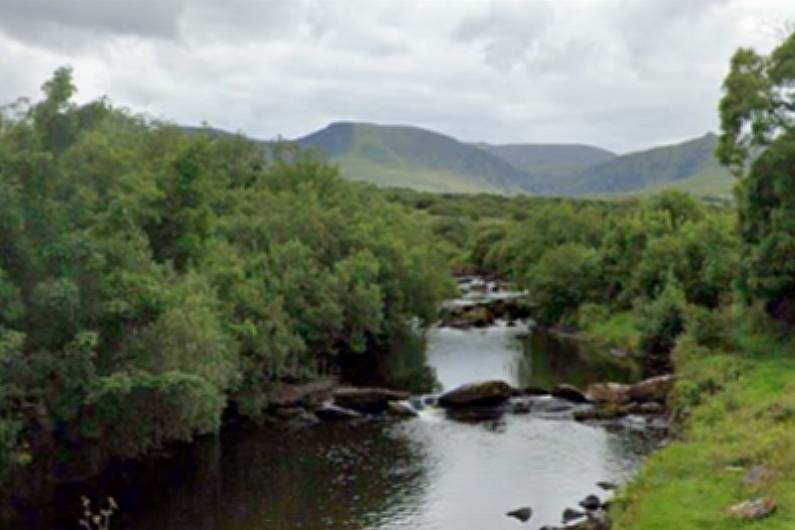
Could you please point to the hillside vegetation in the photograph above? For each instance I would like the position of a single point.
(393, 156)
(409, 156)
(549, 163)
(674, 166)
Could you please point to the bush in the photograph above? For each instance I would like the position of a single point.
(662, 320)
(563, 278)
(709, 327)
(590, 314)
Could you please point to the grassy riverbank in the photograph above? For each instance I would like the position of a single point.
(736, 410)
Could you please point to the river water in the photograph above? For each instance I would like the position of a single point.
(432, 472)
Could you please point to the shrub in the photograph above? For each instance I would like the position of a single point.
(709, 327)
(563, 278)
(662, 320)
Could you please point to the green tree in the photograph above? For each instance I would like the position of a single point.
(563, 278)
(758, 143)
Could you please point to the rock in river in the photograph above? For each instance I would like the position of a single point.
(523, 514)
(570, 393)
(591, 503)
(401, 409)
(484, 393)
(570, 515)
(329, 412)
(612, 393)
(367, 400)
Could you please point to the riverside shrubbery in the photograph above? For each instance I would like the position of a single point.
(150, 277)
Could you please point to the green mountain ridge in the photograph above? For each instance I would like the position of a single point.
(405, 156)
(412, 157)
(549, 162)
(675, 166)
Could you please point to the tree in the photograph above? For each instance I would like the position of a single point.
(758, 144)
(562, 279)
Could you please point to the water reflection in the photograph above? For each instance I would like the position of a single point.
(549, 359)
(522, 358)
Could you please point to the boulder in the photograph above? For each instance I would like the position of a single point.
(523, 514)
(367, 400)
(330, 412)
(520, 405)
(570, 393)
(652, 407)
(652, 389)
(570, 515)
(534, 391)
(484, 393)
(753, 509)
(292, 395)
(591, 503)
(607, 486)
(613, 393)
(401, 409)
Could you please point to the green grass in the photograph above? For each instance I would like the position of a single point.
(396, 175)
(740, 410)
(712, 183)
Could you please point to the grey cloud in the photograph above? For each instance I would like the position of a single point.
(507, 32)
(622, 74)
(73, 23)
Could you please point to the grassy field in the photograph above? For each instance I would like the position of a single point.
(739, 407)
(396, 175)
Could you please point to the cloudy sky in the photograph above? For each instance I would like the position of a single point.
(623, 74)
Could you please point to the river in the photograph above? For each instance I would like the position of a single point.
(432, 472)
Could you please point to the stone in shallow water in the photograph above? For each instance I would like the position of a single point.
(570, 393)
(401, 409)
(752, 509)
(570, 515)
(591, 502)
(329, 412)
(484, 393)
(614, 393)
(365, 399)
(523, 514)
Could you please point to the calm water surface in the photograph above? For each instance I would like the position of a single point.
(430, 472)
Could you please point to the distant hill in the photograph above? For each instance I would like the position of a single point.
(417, 158)
(677, 166)
(411, 157)
(548, 162)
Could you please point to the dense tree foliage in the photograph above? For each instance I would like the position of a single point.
(758, 143)
(148, 278)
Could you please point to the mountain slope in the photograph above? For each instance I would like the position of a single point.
(401, 156)
(549, 161)
(416, 158)
(657, 168)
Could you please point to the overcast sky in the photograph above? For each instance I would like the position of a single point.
(622, 74)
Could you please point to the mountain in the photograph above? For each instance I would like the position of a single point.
(417, 158)
(687, 165)
(411, 157)
(548, 162)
